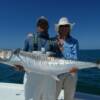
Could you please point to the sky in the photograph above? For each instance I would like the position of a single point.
(17, 17)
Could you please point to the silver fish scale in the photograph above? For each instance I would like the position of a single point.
(43, 57)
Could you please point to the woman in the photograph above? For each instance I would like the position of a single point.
(65, 47)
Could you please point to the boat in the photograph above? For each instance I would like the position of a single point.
(12, 91)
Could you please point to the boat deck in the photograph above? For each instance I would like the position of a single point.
(9, 91)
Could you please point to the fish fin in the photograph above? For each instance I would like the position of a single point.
(56, 78)
(98, 63)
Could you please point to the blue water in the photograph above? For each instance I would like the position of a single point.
(88, 79)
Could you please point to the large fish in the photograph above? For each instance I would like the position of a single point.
(41, 63)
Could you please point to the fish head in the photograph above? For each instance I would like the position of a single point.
(5, 54)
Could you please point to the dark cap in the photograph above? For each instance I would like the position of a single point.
(43, 23)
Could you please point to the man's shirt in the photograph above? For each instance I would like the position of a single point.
(36, 42)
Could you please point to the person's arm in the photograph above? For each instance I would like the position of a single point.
(75, 56)
(70, 52)
(26, 45)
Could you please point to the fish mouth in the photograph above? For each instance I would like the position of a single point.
(5, 55)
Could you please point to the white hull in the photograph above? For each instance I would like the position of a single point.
(9, 91)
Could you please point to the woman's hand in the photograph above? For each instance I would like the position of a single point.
(60, 43)
(73, 70)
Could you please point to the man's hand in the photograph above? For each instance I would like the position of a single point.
(19, 68)
(73, 70)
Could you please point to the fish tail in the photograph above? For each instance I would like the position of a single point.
(98, 63)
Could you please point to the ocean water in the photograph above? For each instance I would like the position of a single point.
(88, 79)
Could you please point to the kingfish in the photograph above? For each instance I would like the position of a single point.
(42, 63)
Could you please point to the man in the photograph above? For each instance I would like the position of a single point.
(34, 84)
(65, 47)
